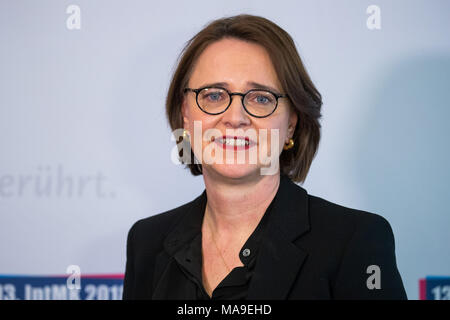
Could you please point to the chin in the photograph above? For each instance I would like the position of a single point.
(236, 171)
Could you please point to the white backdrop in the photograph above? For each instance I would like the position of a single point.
(85, 146)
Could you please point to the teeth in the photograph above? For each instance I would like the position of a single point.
(234, 142)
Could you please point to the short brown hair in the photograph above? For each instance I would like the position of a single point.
(305, 99)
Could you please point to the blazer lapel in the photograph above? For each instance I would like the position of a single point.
(280, 260)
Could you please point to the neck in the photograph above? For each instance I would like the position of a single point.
(235, 206)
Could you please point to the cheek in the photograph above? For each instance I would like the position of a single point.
(279, 127)
(199, 123)
(278, 133)
(198, 117)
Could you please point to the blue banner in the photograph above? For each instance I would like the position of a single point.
(102, 287)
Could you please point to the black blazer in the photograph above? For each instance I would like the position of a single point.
(313, 249)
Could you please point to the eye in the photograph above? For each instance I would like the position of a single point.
(262, 99)
(212, 95)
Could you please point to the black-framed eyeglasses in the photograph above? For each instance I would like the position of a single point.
(256, 102)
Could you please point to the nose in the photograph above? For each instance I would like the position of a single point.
(235, 116)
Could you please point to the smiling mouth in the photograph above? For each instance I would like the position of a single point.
(233, 142)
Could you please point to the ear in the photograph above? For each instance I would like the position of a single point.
(293, 118)
(185, 114)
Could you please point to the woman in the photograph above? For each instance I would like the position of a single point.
(253, 233)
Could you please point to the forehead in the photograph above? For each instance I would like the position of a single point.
(235, 62)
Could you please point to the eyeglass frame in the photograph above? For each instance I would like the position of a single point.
(231, 94)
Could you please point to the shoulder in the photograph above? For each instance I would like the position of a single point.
(153, 229)
(326, 214)
(361, 248)
(335, 228)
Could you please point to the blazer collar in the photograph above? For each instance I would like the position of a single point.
(279, 259)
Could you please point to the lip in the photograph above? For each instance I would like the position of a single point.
(251, 143)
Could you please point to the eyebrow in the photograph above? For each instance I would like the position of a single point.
(253, 85)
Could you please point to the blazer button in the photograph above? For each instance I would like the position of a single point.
(246, 252)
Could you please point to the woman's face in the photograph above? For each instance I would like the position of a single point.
(238, 66)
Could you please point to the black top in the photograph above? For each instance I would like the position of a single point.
(235, 285)
(311, 249)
